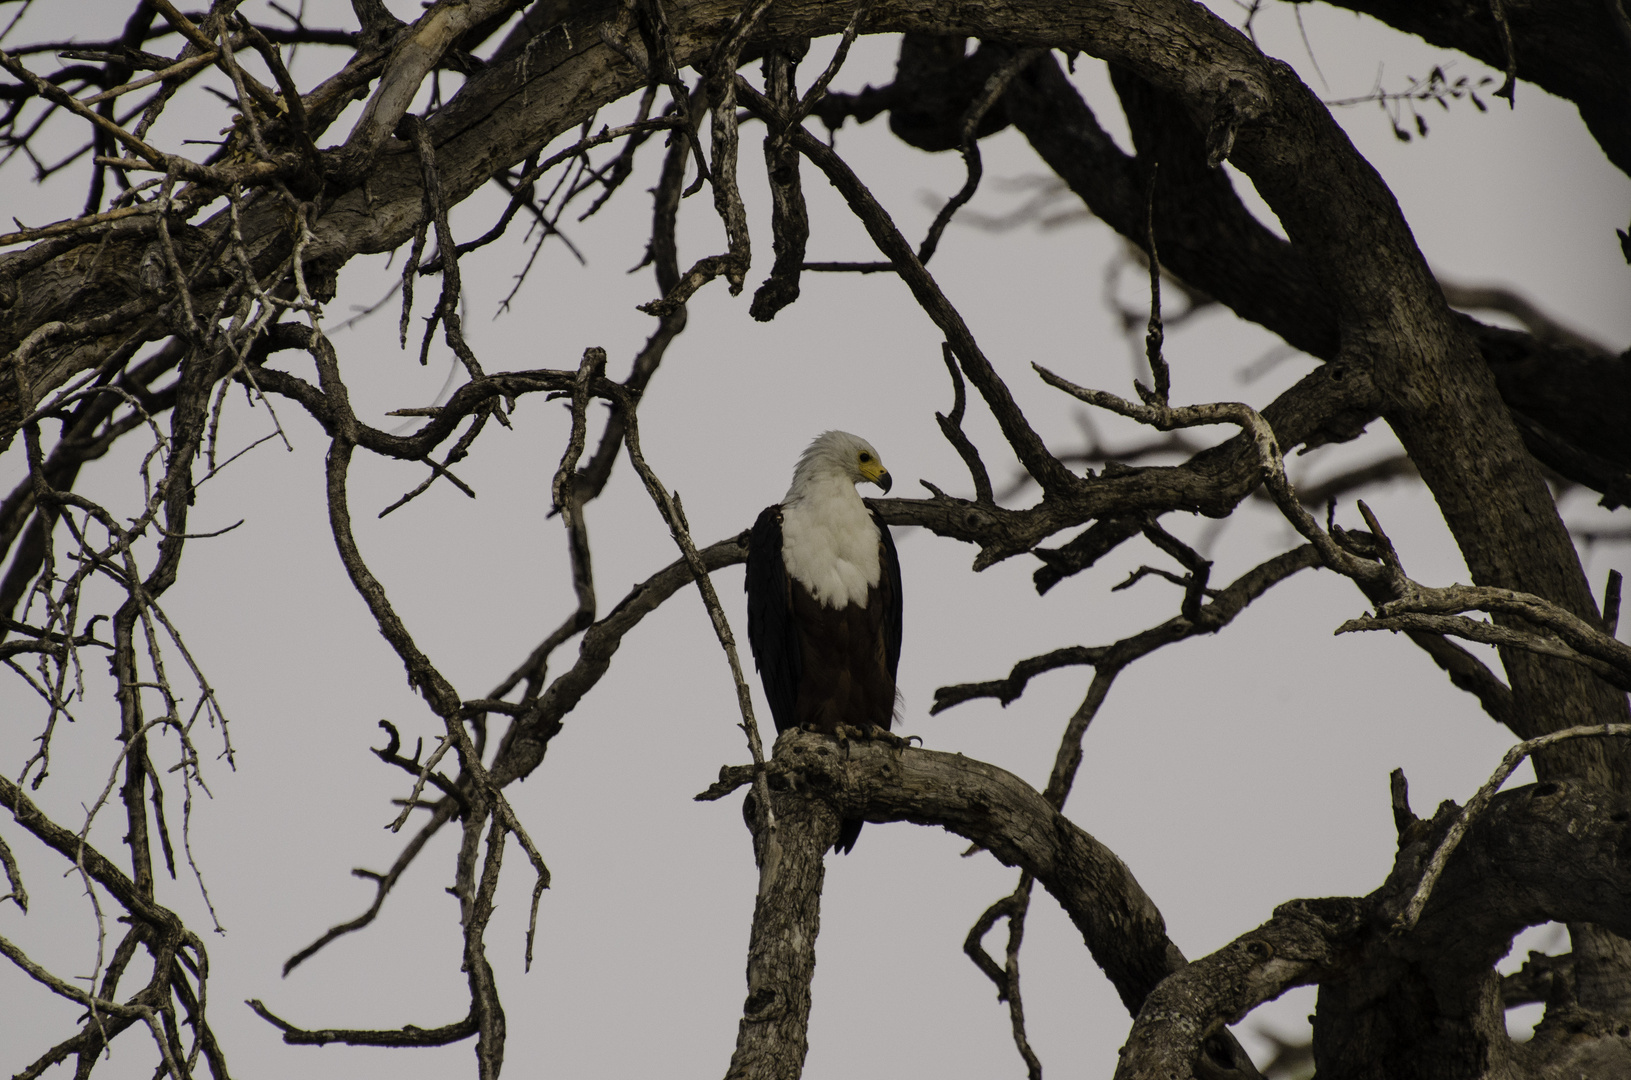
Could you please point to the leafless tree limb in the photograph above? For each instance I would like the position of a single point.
(408, 1035)
(1509, 764)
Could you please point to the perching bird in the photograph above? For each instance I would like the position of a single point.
(824, 603)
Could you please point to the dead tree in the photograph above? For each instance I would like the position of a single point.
(188, 277)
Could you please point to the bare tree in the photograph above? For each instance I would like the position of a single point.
(191, 276)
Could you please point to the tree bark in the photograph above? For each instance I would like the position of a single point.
(773, 1036)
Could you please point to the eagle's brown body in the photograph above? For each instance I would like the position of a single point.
(847, 678)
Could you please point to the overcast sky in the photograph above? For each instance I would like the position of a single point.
(1230, 773)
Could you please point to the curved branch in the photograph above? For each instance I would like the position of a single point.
(1544, 852)
(408, 1035)
(1424, 1002)
(524, 746)
(1000, 812)
(445, 811)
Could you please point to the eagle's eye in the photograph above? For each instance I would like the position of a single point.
(865, 457)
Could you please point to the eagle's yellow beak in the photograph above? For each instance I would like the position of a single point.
(875, 472)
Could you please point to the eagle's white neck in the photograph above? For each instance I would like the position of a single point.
(829, 540)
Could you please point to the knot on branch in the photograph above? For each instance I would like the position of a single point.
(809, 763)
(761, 1005)
(1238, 104)
(1328, 919)
(813, 763)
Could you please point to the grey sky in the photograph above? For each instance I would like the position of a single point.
(1231, 774)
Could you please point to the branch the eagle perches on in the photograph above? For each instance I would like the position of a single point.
(1438, 894)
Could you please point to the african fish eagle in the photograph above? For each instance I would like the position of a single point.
(824, 603)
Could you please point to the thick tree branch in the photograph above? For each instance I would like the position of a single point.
(1006, 816)
(772, 1038)
(1001, 813)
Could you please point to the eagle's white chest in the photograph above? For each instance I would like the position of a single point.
(830, 543)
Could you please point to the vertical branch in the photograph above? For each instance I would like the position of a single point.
(789, 220)
(725, 143)
(1016, 1003)
(568, 499)
(1509, 88)
(993, 89)
(1016, 906)
(773, 1036)
(568, 494)
(659, 42)
(14, 878)
(1611, 603)
(719, 84)
(663, 256)
(422, 676)
(1154, 334)
(1012, 907)
(447, 309)
(952, 428)
(484, 1001)
(410, 270)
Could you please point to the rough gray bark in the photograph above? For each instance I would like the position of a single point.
(1419, 1003)
(1121, 926)
(772, 1038)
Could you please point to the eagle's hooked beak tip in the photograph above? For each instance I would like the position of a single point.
(884, 482)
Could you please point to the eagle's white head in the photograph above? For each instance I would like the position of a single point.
(838, 455)
(829, 540)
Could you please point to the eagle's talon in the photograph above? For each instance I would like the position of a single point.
(849, 732)
(889, 738)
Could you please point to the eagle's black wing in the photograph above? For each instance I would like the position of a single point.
(771, 632)
(889, 594)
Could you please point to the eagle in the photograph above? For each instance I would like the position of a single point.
(824, 600)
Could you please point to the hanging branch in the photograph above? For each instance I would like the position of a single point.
(952, 428)
(987, 97)
(447, 308)
(789, 219)
(719, 86)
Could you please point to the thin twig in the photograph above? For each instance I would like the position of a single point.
(992, 90)
(1475, 806)
(668, 506)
